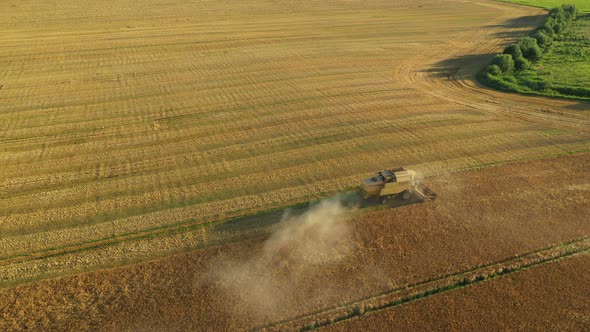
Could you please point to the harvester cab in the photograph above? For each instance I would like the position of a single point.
(394, 182)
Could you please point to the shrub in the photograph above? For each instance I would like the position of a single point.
(513, 50)
(530, 48)
(559, 18)
(536, 84)
(543, 40)
(510, 79)
(558, 14)
(494, 70)
(534, 54)
(547, 27)
(504, 61)
(555, 24)
(571, 10)
(521, 63)
(497, 82)
(572, 91)
(558, 27)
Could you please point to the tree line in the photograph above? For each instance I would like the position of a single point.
(522, 54)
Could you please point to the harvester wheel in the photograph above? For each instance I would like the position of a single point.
(384, 200)
(406, 195)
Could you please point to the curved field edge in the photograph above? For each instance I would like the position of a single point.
(561, 71)
(426, 288)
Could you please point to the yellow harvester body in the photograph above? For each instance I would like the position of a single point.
(389, 183)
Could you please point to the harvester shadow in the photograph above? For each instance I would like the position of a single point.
(262, 223)
(394, 203)
(259, 221)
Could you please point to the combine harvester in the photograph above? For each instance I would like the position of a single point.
(392, 183)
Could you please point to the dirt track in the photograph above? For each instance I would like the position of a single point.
(485, 216)
(553, 296)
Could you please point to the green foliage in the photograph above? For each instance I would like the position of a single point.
(504, 62)
(560, 68)
(530, 48)
(571, 9)
(497, 82)
(547, 29)
(494, 70)
(521, 64)
(543, 39)
(535, 84)
(559, 14)
(581, 5)
(550, 26)
(572, 90)
(514, 50)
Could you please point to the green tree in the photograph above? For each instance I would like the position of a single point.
(504, 61)
(494, 70)
(521, 63)
(558, 14)
(542, 39)
(530, 49)
(547, 28)
(513, 50)
(572, 10)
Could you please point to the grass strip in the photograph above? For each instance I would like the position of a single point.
(553, 61)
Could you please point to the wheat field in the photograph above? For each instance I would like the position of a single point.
(126, 124)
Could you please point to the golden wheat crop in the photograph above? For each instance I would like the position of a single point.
(121, 117)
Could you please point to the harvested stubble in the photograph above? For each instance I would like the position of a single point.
(552, 296)
(120, 117)
(483, 216)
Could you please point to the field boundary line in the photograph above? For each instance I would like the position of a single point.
(429, 287)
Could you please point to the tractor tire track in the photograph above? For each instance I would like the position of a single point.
(430, 287)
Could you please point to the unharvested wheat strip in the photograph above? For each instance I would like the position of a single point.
(127, 199)
(255, 135)
(338, 183)
(119, 253)
(313, 152)
(120, 184)
(157, 150)
(243, 110)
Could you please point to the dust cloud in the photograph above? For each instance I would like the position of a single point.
(272, 276)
